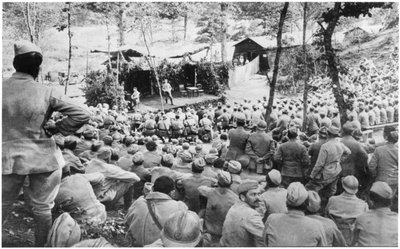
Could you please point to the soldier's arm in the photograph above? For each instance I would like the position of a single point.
(75, 116)
(320, 163)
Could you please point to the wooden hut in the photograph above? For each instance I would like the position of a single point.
(251, 47)
(356, 35)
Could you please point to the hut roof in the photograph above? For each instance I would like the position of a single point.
(355, 29)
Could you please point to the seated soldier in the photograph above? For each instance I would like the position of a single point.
(167, 161)
(117, 181)
(151, 157)
(77, 197)
(182, 229)
(273, 200)
(146, 217)
(219, 201)
(192, 183)
(379, 226)
(346, 207)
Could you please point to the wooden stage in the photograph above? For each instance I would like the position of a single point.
(153, 103)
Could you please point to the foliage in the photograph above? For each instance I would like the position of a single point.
(173, 72)
(210, 28)
(212, 77)
(388, 17)
(42, 16)
(267, 12)
(331, 17)
(101, 87)
(292, 63)
(112, 230)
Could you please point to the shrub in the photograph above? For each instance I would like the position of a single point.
(213, 77)
(101, 87)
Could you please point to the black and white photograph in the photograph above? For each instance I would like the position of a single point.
(200, 124)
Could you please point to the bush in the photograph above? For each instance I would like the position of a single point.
(101, 87)
(213, 78)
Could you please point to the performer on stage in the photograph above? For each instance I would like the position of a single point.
(135, 97)
(166, 88)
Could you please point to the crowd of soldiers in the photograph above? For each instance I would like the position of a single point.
(213, 177)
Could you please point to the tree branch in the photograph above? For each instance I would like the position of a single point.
(322, 27)
(28, 21)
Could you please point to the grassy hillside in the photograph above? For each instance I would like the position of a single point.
(55, 45)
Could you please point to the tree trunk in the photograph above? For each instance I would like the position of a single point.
(152, 65)
(28, 21)
(69, 48)
(276, 63)
(330, 57)
(108, 46)
(223, 32)
(185, 21)
(151, 32)
(121, 25)
(36, 22)
(305, 93)
(173, 32)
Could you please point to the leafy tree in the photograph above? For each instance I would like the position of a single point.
(112, 13)
(28, 20)
(331, 18)
(101, 87)
(267, 12)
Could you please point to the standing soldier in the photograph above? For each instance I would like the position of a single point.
(325, 173)
(237, 145)
(135, 97)
(293, 158)
(224, 119)
(206, 128)
(166, 88)
(28, 149)
(260, 148)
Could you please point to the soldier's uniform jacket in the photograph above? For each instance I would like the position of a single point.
(332, 234)
(243, 227)
(219, 201)
(191, 185)
(238, 140)
(293, 229)
(26, 148)
(76, 194)
(141, 227)
(259, 145)
(378, 227)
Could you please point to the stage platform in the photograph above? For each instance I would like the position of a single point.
(153, 103)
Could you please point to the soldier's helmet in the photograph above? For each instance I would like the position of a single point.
(182, 229)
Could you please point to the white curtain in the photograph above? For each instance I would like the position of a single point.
(241, 74)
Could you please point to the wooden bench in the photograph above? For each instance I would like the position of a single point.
(381, 126)
(370, 130)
